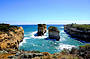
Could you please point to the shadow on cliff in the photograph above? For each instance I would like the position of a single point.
(35, 34)
(73, 37)
(50, 39)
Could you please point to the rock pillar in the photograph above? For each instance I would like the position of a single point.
(41, 29)
(53, 33)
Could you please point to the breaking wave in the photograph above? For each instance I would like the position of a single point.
(66, 46)
(38, 37)
(24, 41)
(61, 27)
(33, 42)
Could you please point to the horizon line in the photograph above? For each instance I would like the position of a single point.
(48, 24)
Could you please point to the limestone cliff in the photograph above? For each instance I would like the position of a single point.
(80, 31)
(10, 36)
(53, 33)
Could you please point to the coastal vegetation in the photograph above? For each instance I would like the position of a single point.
(11, 36)
(84, 27)
(78, 31)
(52, 28)
(5, 28)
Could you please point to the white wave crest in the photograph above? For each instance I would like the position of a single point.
(62, 39)
(62, 27)
(61, 31)
(24, 41)
(26, 38)
(21, 44)
(38, 37)
(66, 46)
(25, 35)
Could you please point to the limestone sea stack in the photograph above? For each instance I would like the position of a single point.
(53, 33)
(10, 36)
(42, 28)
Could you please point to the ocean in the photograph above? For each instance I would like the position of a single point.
(40, 43)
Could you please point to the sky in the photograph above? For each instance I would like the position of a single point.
(44, 11)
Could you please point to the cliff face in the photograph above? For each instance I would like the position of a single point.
(10, 36)
(81, 32)
(53, 33)
(41, 29)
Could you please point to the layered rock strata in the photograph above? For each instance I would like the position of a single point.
(53, 33)
(81, 32)
(42, 28)
(10, 36)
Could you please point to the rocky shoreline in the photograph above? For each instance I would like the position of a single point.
(82, 53)
(79, 31)
(10, 36)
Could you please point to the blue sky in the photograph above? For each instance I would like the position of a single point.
(44, 11)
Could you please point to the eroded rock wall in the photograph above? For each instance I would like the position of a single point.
(11, 37)
(77, 33)
(53, 33)
(42, 28)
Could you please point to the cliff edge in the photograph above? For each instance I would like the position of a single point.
(10, 36)
(80, 31)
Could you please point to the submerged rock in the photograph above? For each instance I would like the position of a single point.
(53, 33)
(41, 29)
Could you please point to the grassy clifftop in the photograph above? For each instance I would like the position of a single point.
(84, 27)
(52, 28)
(79, 31)
(7, 27)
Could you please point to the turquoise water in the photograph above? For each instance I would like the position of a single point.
(30, 42)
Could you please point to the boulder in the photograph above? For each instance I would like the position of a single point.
(53, 33)
(41, 29)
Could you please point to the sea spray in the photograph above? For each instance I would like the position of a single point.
(24, 41)
(32, 42)
(66, 46)
(38, 37)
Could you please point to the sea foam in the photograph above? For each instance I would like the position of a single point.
(24, 41)
(62, 27)
(38, 37)
(66, 46)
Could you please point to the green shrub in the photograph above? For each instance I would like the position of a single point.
(52, 28)
(84, 27)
